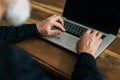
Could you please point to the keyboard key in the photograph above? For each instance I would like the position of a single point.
(74, 29)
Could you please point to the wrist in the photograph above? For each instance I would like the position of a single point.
(86, 51)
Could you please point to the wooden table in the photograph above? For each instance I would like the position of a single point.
(62, 62)
(59, 60)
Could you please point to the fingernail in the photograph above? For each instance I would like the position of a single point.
(64, 29)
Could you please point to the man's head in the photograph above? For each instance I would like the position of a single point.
(14, 11)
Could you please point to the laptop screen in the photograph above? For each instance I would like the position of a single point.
(103, 15)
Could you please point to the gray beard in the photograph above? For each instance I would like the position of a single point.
(16, 13)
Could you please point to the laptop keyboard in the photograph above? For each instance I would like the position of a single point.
(74, 29)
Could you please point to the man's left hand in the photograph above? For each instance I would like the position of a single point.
(45, 27)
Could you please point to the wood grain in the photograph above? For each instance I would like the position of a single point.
(59, 60)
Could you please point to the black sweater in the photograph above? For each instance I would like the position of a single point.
(17, 65)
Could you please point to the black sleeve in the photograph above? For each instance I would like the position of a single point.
(15, 34)
(86, 69)
(16, 64)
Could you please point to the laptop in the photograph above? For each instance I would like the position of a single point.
(79, 15)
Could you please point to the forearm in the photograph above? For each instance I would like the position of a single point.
(15, 34)
(86, 69)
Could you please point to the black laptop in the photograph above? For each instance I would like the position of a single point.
(80, 15)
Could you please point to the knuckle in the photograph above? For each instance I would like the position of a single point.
(49, 20)
(58, 16)
(89, 30)
(100, 33)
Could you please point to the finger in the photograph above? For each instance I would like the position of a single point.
(99, 35)
(59, 19)
(59, 26)
(100, 41)
(55, 32)
(88, 31)
(94, 32)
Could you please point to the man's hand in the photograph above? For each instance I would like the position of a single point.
(89, 42)
(45, 27)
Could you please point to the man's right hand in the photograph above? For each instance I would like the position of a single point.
(89, 42)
